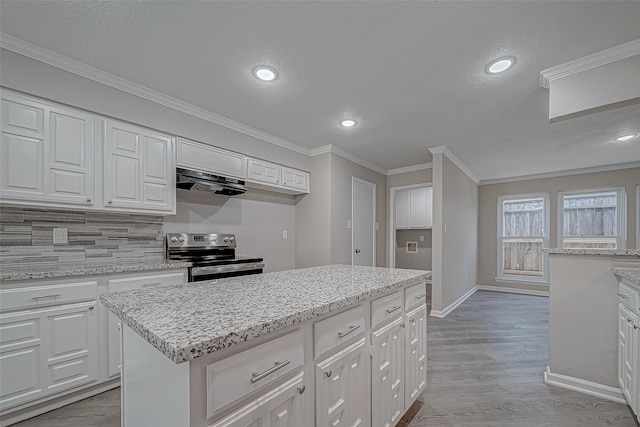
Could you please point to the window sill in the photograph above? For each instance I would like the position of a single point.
(518, 279)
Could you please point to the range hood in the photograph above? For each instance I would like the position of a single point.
(200, 181)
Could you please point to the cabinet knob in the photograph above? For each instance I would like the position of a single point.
(88, 200)
(92, 307)
(357, 251)
(110, 202)
(328, 373)
(636, 327)
(301, 388)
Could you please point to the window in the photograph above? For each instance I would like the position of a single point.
(592, 219)
(523, 230)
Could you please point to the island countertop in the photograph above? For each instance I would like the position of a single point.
(195, 319)
(631, 274)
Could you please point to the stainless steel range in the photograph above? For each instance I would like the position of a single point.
(213, 256)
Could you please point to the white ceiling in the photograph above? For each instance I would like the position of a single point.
(411, 73)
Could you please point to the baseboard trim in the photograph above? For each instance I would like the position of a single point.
(583, 386)
(15, 416)
(454, 305)
(534, 292)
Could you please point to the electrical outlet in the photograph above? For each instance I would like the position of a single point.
(466, 277)
(349, 223)
(284, 234)
(60, 236)
(422, 238)
(377, 226)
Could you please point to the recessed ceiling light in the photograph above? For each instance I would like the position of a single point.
(626, 137)
(500, 65)
(348, 123)
(265, 73)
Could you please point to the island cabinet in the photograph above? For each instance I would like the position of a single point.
(307, 352)
(629, 342)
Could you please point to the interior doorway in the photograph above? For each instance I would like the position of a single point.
(363, 227)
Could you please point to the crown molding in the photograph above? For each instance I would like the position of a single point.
(455, 160)
(413, 168)
(83, 70)
(588, 62)
(607, 168)
(330, 148)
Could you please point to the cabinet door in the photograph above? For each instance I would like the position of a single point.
(418, 208)
(158, 172)
(429, 207)
(23, 150)
(293, 178)
(259, 170)
(21, 348)
(281, 406)
(340, 385)
(402, 209)
(72, 346)
(71, 147)
(205, 158)
(387, 377)
(415, 354)
(627, 360)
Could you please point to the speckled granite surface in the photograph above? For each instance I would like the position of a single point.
(192, 320)
(27, 274)
(631, 274)
(609, 252)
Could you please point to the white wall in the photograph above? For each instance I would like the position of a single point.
(257, 218)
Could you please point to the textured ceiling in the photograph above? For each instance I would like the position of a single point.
(411, 73)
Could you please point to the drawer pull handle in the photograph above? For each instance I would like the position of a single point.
(148, 285)
(392, 309)
(623, 296)
(328, 373)
(636, 327)
(255, 377)
(421, 296)
(46, 296)
(348, 331)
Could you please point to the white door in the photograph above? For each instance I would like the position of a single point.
(387, 376)
(363, 214)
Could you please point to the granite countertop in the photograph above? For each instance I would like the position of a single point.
(631, 274)
(83, 270)
(192, 320)
(609, 252)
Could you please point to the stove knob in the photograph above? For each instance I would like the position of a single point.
(226, 240)
(174, 239)
(181, 238)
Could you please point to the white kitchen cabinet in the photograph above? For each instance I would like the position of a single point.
(273, 177)
(340, 381)
(114, 324)
(629, 344)
(281, 406)
(415, 353)
(46, 153)
(387, 377)
(139, 169)
(48, 341)
(414, 208)
(206, 158)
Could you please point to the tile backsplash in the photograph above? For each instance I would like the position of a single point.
(94, 238)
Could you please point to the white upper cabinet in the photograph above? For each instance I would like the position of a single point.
(139, 169)
(46, 153)
(414, 208)
(271, 176)
(205, 158)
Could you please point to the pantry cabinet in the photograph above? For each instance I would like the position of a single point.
(413, 208)
(46, 153)
(139, 169)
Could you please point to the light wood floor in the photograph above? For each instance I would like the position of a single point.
(486, 361)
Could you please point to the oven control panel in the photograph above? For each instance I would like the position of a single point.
(190, 240)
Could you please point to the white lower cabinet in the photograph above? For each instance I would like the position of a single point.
(281, 406)
(48, 344)
(416, 353)
(629, 344)
(387, 377)
(340, 382)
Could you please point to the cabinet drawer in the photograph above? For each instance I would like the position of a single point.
(415, 295)
(243, 373)
(11, 299)
(337, 329)
(129, 283)
(385, 308)
(629, 297)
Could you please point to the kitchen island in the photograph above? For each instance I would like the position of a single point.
(330, 345)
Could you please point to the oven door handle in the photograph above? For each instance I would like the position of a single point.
(230, 268)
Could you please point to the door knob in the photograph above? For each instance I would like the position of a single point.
(357, 251)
